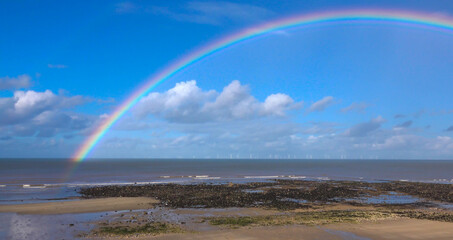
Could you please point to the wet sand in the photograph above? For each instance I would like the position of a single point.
(380, 230)
(271, 210)
(193, 227)
(82, 206)
(399, 229)
(271, 232)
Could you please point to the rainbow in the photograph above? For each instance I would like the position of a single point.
(344, 16)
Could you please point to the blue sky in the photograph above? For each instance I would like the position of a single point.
(332, 91)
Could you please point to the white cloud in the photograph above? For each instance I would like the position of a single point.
(321, 105)
(362, 129)
(214, 13)
(27, 104)
(234, 102)
(21, 81)
(31, 101)
(355, 107)
(277, 104)
(320, 128)
(125, 7)
(405, 124)
(229, 122)
(413, 146)
(181, 103)
(187, 103)
(441, 143)
(399, 116)
(56, 66)
(399, 142)
(28, 113)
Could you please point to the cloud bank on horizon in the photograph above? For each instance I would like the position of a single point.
(218, 124)
(330, 92)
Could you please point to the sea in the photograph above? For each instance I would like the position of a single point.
(47, 180)
(42, 180)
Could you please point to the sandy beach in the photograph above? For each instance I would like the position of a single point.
(196, 229)
(82, 206)
(272, 210)
(381, 230)
(399, 228)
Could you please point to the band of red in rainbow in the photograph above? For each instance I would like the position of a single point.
(380, 16)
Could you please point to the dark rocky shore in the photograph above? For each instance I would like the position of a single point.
(287, 202)
(279, 194)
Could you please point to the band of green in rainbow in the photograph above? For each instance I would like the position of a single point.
(379, 16)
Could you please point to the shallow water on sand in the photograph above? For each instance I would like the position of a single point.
(62, 226)
(344, 235)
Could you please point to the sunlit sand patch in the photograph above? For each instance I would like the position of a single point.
(82, 206)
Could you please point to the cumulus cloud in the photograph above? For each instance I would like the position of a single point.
(50, 123)
(181, 103)
(41, 114)
(399, 116)
(362, 129)
(24, 105)
(230, 122)
(450, 129)
(355, 107)
(21, 81)
(26, 102)
(277, 104)
(187, 103)
(322, 104)
(234, 123)
(234, 102)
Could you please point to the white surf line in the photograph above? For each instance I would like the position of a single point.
(261, 176)
(122, 183)
(33, 186)
(322, 178)
(205, 177)
(297, 177)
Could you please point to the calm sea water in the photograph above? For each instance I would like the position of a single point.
(35, 180)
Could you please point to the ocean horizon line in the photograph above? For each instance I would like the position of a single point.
(215, 158)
